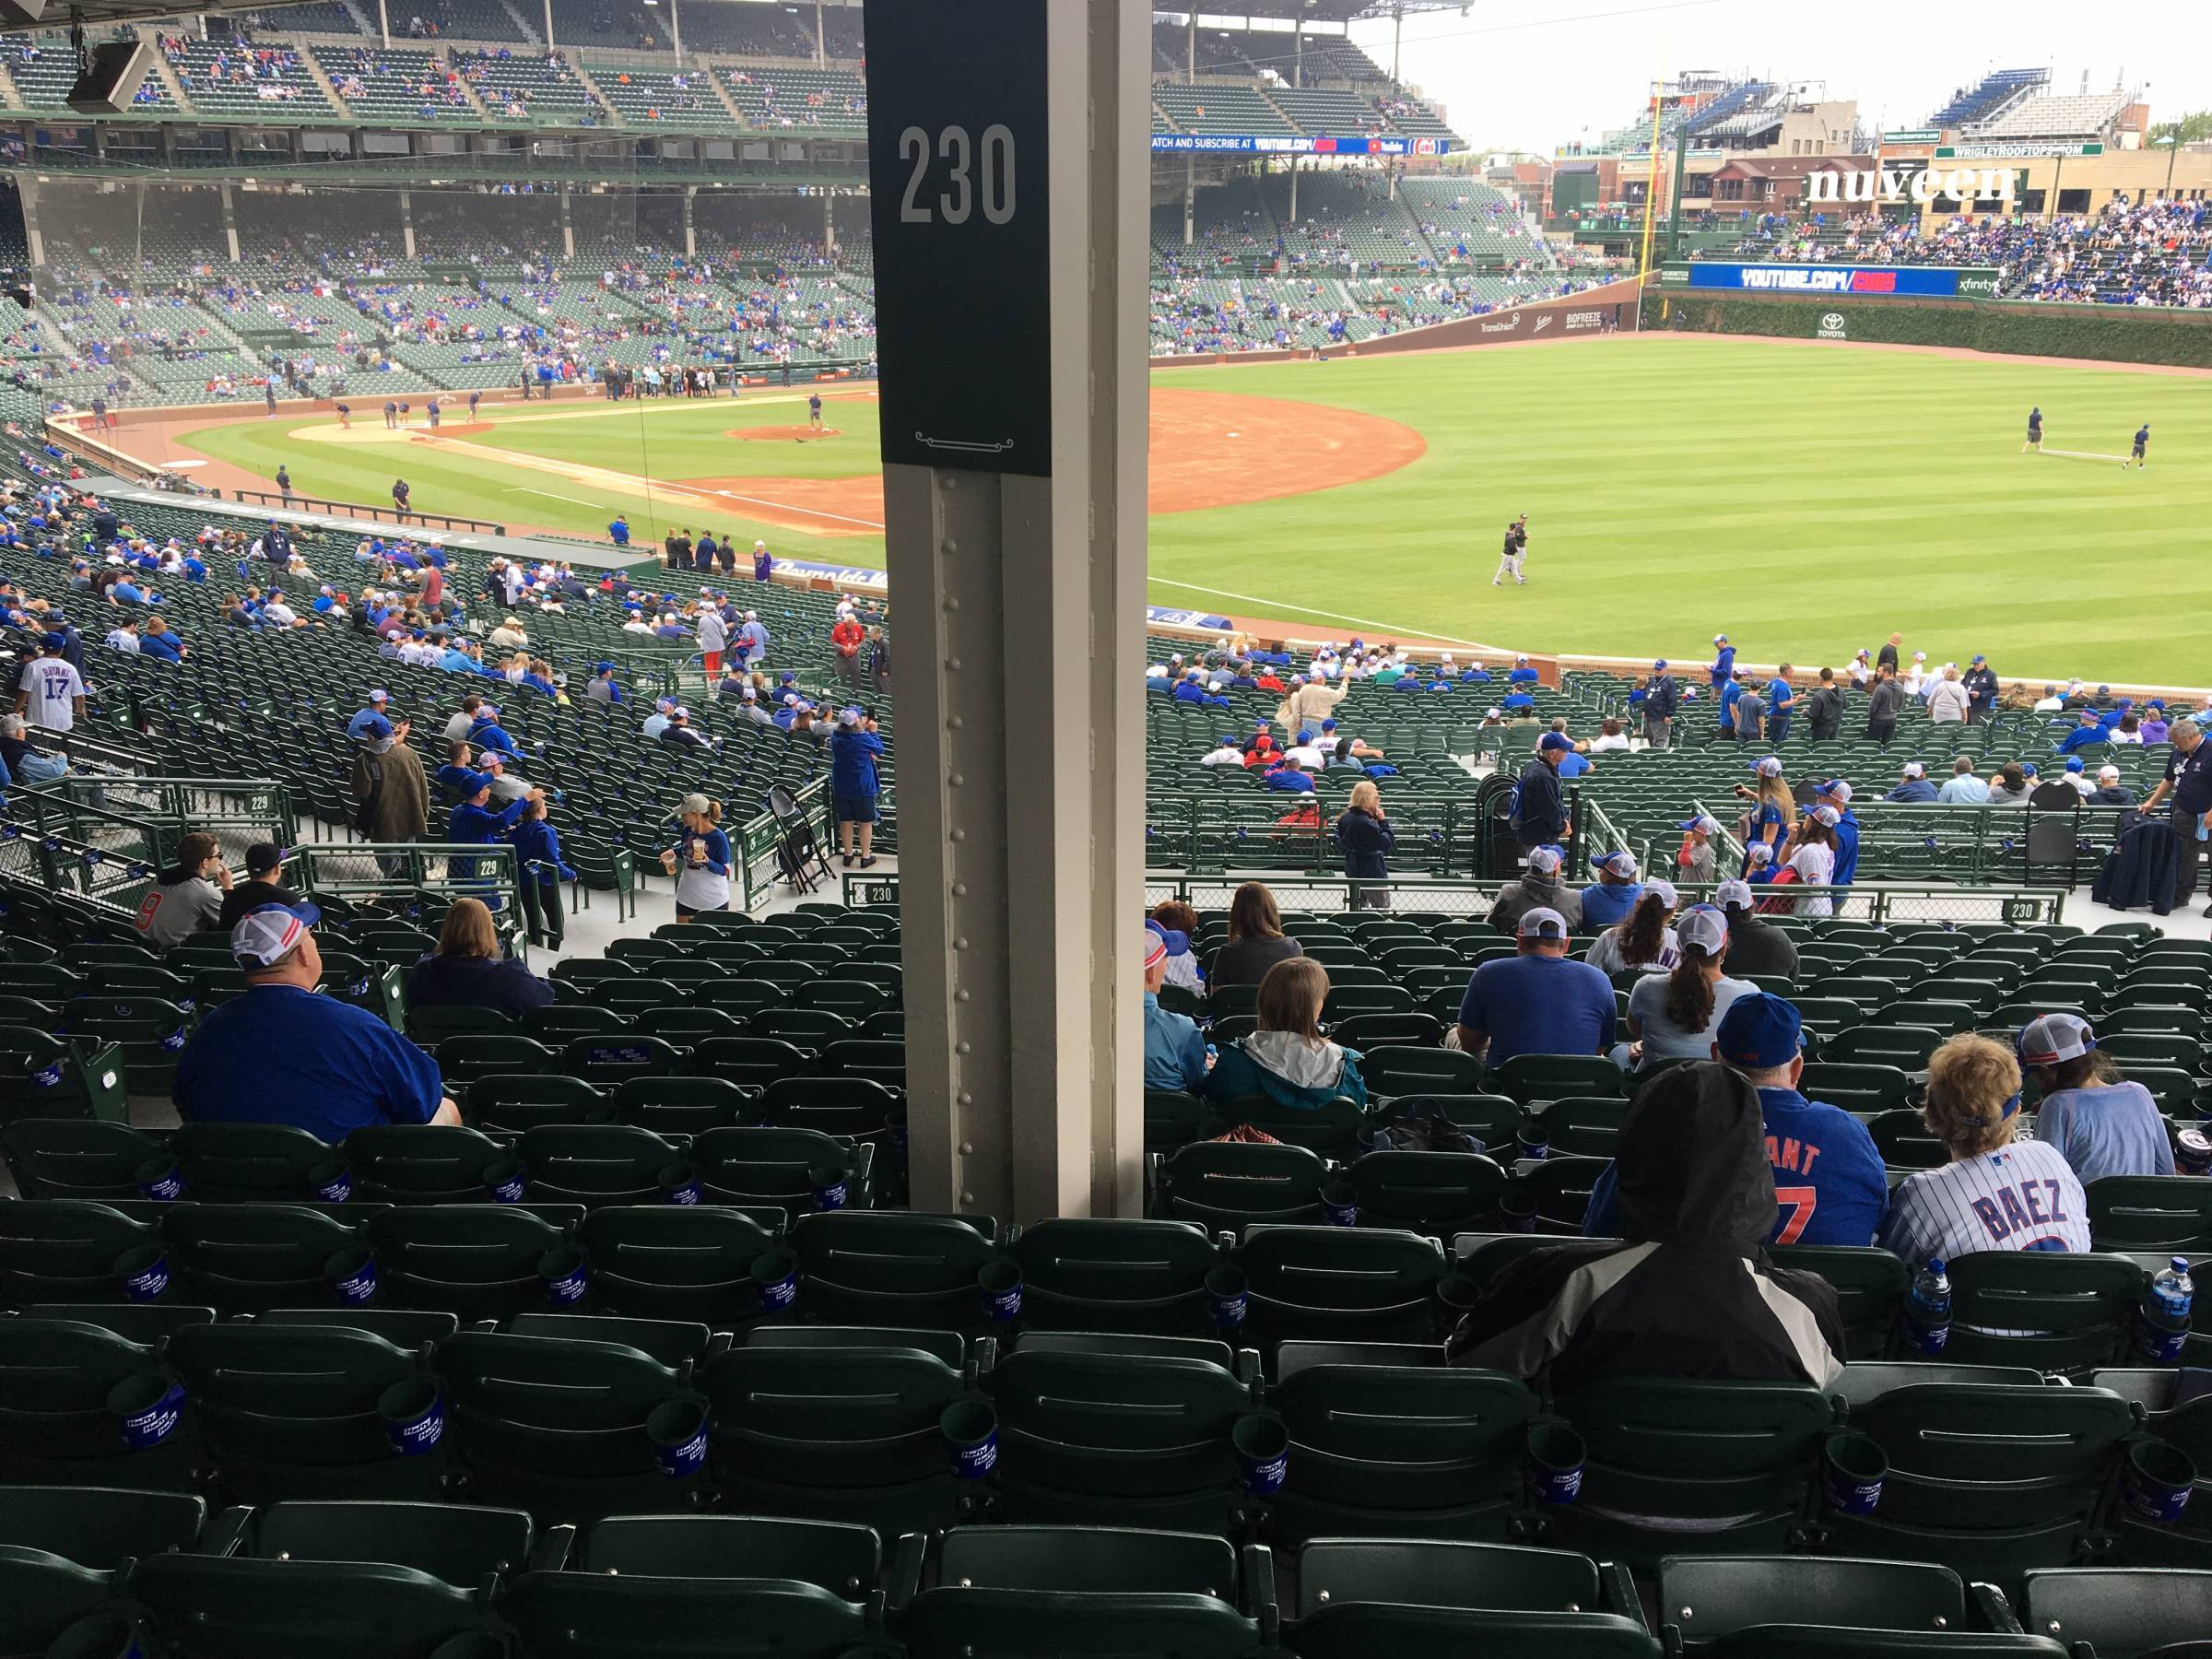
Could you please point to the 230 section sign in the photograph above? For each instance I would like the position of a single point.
(956, 163)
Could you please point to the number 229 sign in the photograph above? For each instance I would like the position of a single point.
(956, 175)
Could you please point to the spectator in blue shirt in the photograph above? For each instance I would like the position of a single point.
(1836, 793)
(280, 1053)
(485, 731)
(1537, 1002)
(1723, 669)
(1522, 674)
(380, 706)
(854, 748)
(1615, 893)
(618, 531)
(476, 822)
(159, 640)
(1781, 701)
(2101, 1123)
(1175, 1055)
(1730, 694)
(1914, 787)
(540, 869)
(2091, 729)
(1829, 1185)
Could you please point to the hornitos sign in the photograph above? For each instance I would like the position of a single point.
(1922, 185)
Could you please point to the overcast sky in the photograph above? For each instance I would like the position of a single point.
(1534, 75)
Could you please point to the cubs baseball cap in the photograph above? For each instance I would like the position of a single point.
(1621, 863)
(1759, 852)
(1660, 664)
(697, 804)
(265, 936)
(1837, 789)
(1304, 734)
(1546, 860)
(2047, 1040)
(1759, 1031)
(1720, 639)
(848, 717)
(2073, 764)
(2108, 774)
(474, 783)
(1328, 726)
(1659, 887)
(379, 694)
(53, 643)
(263, 858)
(376, 725)
(1826, 815)
(1704, 824)
(1704, 925)
(1978, 658)
(1555, 740)
(749, 695)
(1913, 768)
(1543, 923)
(1497, 714)
(1155, 948)
(1732, 895)
(1768, 768)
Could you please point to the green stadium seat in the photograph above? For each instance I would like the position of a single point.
(272, 1609)
(890, 1268)
(78, 1157)
(1360, 1596)
(1231, 1183)
(2119, 1613)
(675, 1262)
(1434, 1193)
(1099, 1274)
(249, 1258)
(510, 1103)
(418, 1163)
(56, 1427)
(594, 1164)
(1338, 1284)
(461, 1545)
(476, 1262)
(1706, 1600)
(99, 1527)
(2150, 1212)
(2044, 1309)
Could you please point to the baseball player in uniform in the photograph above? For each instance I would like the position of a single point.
(1516, 550)
(1997, 1192)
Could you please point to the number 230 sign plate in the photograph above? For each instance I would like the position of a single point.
(957, 176)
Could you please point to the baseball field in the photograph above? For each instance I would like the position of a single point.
(1806, 497)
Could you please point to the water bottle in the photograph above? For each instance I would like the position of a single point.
(2162, 1323)
(1928, 1311)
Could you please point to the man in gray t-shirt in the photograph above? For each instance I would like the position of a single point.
(1750, 716)
(187, 898)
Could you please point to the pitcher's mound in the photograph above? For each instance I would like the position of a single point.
(783, 434)
(452, 428)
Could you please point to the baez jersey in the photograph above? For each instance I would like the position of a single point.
(2023, 1197)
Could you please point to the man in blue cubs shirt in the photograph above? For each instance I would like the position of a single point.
(1537, 1002)
(281, 1054)
(1828, 1181)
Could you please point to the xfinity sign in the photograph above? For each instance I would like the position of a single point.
(1923, 186)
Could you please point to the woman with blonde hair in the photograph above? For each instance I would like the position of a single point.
(1773, 812)
(1997, 1192)
(701, 859)
(1255, 942)
(1367, 840)
(466, 971)
(1288, 1060)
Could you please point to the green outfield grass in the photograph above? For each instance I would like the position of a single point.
(1806, 500)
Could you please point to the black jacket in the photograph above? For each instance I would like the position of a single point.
(1540, 815)
(458, 981)
(2144, 869)
(1883, 703)
(1662, 696)
(249, 896)
(1824, 709)
(1367, 843)
(1756, 946)
(1691, 1294)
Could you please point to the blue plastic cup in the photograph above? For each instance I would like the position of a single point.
(100, 1636)
(1456, 1299)
(146, 1409)
(831, 1190)
(1000, 1284)
(1552, 1464)
(1228, 1296)
(566, 1272)
(352, 1276)
(2159, 1335)
(2155, 1481)
(970, 1430)
(678, 1430)
(414, 1416)
(158, 1179)
(505, 1182)
(1532, 1141)
(680, 1184)
(776, 1278)
(144, 1271)
(330, 1182)
(1852, 1468)
(1517, 1211)
(1339, 1205)
(1262, 1449)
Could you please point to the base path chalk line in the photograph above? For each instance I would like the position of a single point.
(551, 497)
(788, 507)
(2080, 454)
(1307, 610)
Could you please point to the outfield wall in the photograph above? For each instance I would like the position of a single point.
(1610, 308)
(2112, 334)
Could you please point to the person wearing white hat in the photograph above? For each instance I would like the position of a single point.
(379, 703)
(1913, 788)
(1947, 699)
(2110, 791)
(279, 1053)
(1674, 1010)
(1175, 1057)
(1642, 939)
(1755, 947)
(1694, 858)
(1613, 894)
(1916, 676)
(2101, 1123)
(1539, 888)
(1537, 1001)
(701, 859)
(1809, 857)
(1773, 812)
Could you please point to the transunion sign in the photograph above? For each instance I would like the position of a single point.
(1941, 282)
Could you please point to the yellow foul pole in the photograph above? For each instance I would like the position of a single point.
(1651, 189)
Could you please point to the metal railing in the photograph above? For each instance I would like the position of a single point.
(759, 837)
(389, 515)
(401, 871)
(142, 817)
(114, 877)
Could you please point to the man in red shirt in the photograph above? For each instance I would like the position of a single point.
(848, 636)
